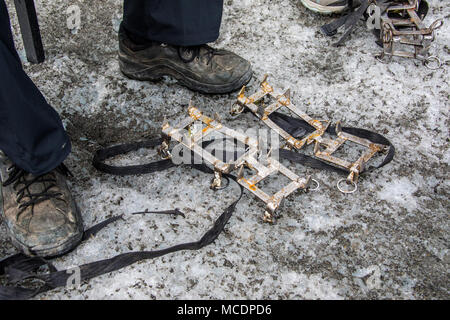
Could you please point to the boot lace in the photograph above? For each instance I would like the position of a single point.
(195, 51)
(22, 182)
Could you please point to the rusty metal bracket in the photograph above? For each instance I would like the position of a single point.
(331, 145)
(355, 168)
(191, 139)
(407, 36)
(281, 100)
(274, 201)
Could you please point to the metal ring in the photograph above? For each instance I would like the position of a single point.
(437, 24)
(380, 58)
(346, 191)
(387, 36)
(432, 59)
(223, 186)
(235, 112)
(316, 188)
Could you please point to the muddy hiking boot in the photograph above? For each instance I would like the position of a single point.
(39, 212)
(200, 68)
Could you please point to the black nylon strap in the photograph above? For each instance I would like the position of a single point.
(104, 154)
(348, 20)
(351, 22)
(330, 29)
(291, 125)
(21, 263)
(20, 267)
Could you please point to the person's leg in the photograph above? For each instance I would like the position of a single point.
(40, 215)
(176, 22)
(31, 132)
(168, 38)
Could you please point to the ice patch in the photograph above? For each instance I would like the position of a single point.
(400, 192)
(309, 287)
(322, 222)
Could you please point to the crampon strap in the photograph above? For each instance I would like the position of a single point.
(348, 20)
(292, 125)
(20, 268)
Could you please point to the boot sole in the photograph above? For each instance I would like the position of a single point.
(142, 72)
(47, 252)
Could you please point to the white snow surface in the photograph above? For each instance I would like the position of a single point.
(388, 240)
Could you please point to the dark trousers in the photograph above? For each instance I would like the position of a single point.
(177, 22)
(31, 132)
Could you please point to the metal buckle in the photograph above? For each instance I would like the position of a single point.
(193, 142)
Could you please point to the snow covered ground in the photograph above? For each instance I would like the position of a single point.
(388, 240)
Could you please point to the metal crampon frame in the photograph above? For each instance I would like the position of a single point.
(407, 31)
(184, 134)
(281, 100)
(332, 145)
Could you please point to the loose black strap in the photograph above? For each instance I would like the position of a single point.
(20, 267)
(21, 263)
(330, 29)
(348, 20)
(104, 154)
